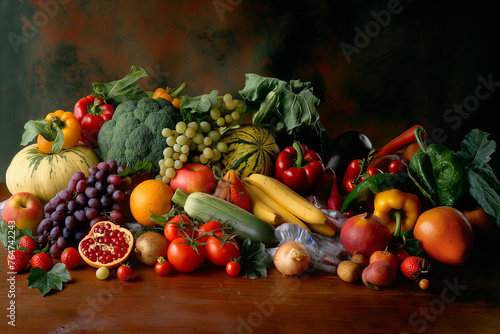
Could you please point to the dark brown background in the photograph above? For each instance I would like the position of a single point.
(427, 58)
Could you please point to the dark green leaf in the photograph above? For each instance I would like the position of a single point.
(37, 127)
(58, 141)
(484, 188)
(263, 115)
(290, 110)
(254, 259)
(194, 109)
(476, 148)
(45, 281)
(141, 166)
(257, 87)
(122, 90)
(10, 235)
(299, 109)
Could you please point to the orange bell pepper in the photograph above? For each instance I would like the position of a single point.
(170, 95)
(69, 126)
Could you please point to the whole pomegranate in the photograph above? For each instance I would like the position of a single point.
(365, 234)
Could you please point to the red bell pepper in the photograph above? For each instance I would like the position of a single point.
(91, 113)
(299, 168)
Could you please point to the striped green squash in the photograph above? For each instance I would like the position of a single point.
(44, 175)
(250, 149)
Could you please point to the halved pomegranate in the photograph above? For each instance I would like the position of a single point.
(106, 245)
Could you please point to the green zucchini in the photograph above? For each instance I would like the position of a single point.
(208, 207)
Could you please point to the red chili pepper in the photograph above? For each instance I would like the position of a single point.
(299, 168)
(91, 113)
(352, 172)
(400, 141)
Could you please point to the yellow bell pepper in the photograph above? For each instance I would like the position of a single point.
(398, 210)
(69, 126)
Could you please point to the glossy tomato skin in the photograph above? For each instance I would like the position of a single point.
(172, 231)
(163, 268)
(220, 254)
(183, 257)
(71, 257)
(203, 230)
(398, 167)
(125, 273)
(233, 268)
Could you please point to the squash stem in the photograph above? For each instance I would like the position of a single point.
(179, 197)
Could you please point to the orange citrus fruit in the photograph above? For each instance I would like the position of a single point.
(150, 196)
(445, 235)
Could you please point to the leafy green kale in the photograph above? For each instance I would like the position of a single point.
(289, 109)
(483, 184)
(195, 109)
(122, 90)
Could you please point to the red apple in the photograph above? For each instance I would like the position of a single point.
(24, 210)
(386, 256)
(194, 177)
(365, 234)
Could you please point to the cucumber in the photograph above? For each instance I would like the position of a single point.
(208, 207)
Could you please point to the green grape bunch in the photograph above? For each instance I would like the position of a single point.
(199, 141)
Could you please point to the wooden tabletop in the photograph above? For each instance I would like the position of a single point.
(462, 299)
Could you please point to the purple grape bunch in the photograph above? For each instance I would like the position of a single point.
(71, 213)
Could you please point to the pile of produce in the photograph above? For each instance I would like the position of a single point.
(179, 181)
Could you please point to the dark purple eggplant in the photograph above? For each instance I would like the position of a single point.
(344, 148)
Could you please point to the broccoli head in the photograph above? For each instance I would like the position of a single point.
(134, 132)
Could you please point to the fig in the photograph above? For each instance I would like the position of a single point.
(149, 246)
(378, 274)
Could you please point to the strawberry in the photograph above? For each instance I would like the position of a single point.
(28, 245)
(17, 260)
(43, 261)
(231, 189)
(414, 266)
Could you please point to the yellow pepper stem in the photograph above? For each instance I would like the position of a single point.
(397, 218)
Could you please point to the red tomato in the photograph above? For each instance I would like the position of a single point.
(220, 252)
(124, 272)
(233, 268)
(71, 258)
(370, 172)
(204, 230)
(175, 228)
(401, 254)
(398, 167)
(185, 257)
(162, 268)
(349, 185)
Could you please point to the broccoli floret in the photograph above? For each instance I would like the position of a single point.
(144, 108)
(134, 132)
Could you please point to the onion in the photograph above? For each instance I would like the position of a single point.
(292, 258)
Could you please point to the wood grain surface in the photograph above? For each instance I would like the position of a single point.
(462, 299)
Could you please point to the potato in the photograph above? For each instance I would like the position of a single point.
(349, 271)
(361, 260)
